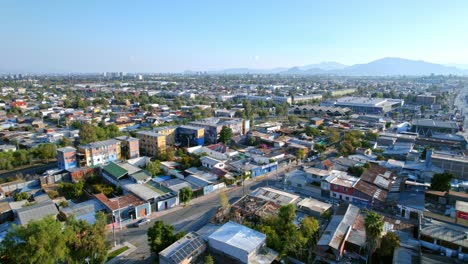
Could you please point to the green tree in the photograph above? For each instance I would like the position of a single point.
(333, 135)
(154, 167)
(85, 241)
(21, 196)
(320, 147)
(292, 119)
(71, 190)
(312, 131)
(160, 236)
(185, 195)
(374, 227)
(300, 154)
(65, 142)
(390, 241)
(88, 134)
(46, 151)
(41, 241)
(441, 181)
(209, 259)
(225, 135)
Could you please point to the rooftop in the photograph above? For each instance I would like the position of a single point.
(119, 202)
(435, 123)
(238, 236)
(115, 171)
(183, 248)
(314, 205)
(100, 144)
(36, 212)
(66, 149)
(279, 197)
(445, 231)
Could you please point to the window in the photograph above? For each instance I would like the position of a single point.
(344, 189)
(334, 194)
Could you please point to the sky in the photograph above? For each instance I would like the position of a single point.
(175, 35)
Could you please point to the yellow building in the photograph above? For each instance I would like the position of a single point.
(151, 142)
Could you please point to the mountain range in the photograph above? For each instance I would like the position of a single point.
(381, 67)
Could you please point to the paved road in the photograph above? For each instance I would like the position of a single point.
(190, 218)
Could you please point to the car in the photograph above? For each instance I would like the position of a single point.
(141, 222)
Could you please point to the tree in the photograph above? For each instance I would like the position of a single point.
(310, 229)
(441, 181)
(154, 167)
(225, 135)
(320, 147)
(209, 259)
(300, 154)
(46, 151)
(223, 200)
(312, 131)
(87, 241)
(374, 227)
(185, 195)
(41, 241)
(390, 242)
(65, 142)
(160, 236)
(72, 190)
(87, 134)
(292, 119)
(21, 196)
(356, 170)
(333, 136)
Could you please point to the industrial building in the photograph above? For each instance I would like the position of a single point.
(456, 164)
(429, 127)
(375, 106)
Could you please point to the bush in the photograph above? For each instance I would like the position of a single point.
(53, 194)
(21, 196)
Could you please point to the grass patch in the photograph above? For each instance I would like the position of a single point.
(116, 252)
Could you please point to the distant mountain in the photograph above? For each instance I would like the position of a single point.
(381, 67)
(459, 66)
(326, 65)
(398, 66)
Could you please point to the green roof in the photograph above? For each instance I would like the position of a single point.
(115, 170)
(141, 175)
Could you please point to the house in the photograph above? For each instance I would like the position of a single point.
(209, 162)
(124, 208)
(184, 250)
(274, 195)
(36, 212)
(113, 173)
(344, 236)
(85, 211)
(98, 153)
(240, 243)
(314, 207)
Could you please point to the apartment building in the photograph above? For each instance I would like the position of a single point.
(151, 142)
(66, 158)
(98, 153)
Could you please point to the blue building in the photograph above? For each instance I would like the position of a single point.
(190, 136)
(66, 158)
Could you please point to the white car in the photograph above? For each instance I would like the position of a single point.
(141, 222)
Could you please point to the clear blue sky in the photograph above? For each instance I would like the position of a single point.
(175, 35)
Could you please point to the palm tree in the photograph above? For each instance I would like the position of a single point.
(374, 227)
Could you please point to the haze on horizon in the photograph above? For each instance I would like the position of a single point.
(174, 36)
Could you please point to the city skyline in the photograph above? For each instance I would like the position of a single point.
(206, 36)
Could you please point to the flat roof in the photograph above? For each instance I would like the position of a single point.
(183, 248)
(435, 123)
(279, 197)
(314, 205)
(238, 236)
(445, 231)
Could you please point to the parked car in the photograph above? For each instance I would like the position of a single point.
(141, 222)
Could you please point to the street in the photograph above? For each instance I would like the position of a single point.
(189, 218)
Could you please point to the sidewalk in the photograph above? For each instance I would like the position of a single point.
(119, 257)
